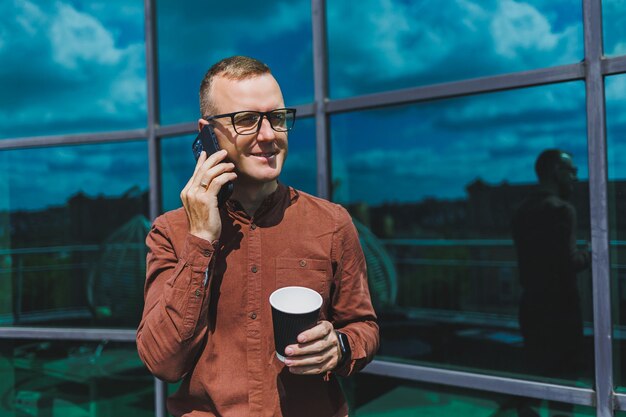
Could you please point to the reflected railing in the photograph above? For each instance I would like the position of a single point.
(433, 277)
(57, 284)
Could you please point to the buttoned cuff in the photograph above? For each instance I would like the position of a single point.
(198, 252)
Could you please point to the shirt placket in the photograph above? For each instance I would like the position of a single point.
(253, 329)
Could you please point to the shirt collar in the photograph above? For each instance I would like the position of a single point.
(270, 211)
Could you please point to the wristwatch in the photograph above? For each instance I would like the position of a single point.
(344, 345)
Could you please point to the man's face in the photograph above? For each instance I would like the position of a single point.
(258, 157)
(566, 176)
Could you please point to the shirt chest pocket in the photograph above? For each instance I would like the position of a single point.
(304, 272)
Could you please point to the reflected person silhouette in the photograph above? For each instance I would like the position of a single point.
(544, 233)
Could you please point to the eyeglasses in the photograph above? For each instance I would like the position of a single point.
(249, 122)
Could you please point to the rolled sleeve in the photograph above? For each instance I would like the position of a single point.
(172, 326)
(353, 312)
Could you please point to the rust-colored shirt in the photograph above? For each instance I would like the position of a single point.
(207, 318)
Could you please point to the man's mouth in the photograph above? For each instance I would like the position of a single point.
(263, 154)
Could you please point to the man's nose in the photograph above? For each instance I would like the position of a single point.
(265, 130)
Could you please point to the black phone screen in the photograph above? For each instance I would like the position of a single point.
(207, 141)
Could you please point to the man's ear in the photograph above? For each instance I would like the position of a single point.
(201, 124)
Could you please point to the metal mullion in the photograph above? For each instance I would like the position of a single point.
(318, 10)
(596, 135)
(177, 129)
(154, 153)
(73, 139)
(460, 88)
(53, 333)
(305, 110)
(612, 66)
(490, 383)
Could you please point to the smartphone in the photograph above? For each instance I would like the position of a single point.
(207, 141)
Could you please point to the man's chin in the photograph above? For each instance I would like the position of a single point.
(258, 177)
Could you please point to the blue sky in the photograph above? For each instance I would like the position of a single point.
(79, 66)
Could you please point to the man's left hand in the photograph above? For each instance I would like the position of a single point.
(316, 352)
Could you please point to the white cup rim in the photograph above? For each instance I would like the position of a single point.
(302, 300)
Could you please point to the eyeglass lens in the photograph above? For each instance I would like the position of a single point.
(249, 122)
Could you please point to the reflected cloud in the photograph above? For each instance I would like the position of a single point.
(614, 24)
(405, 43)
(438, 148)
(64, 68)
(39, 178)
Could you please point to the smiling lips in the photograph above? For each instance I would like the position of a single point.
(264, 154)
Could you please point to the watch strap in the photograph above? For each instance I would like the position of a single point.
(344, 346)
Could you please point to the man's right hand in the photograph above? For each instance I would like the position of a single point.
(199, 196)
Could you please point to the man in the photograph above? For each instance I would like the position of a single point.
(544, 231)
(210, 270)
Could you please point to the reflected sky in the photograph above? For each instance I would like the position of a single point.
(193, 37)
(79, 66)
(42, 177)
(392, 44)
(71, 66)
(614, 27)
(436, 149)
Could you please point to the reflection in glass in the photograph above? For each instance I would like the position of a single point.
(397, 44)
(205, 34)
(614, 27)
(177, 163)
(544, 229)
(616, 146)
(62, 378)
(71, 67)
(433, 188)
(72, 226)
(378, 396)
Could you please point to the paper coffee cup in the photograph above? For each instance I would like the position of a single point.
(294, 310)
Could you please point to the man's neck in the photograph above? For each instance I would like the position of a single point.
(250, 196)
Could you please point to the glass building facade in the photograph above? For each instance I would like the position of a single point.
(422, 118)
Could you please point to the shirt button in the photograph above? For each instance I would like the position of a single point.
(254, 269)
(198, 293)
(253, 226)
(303, 263)
(253, 316)
(206, 253)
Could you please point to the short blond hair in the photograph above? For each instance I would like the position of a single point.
(235, 68)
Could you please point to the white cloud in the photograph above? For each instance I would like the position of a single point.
(221, 29)
(78, 37)
(82, 74)
(519, 26)
(386, 44)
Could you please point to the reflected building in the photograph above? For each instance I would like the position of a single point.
(69, 245)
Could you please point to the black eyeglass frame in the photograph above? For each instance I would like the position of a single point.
(262, 114)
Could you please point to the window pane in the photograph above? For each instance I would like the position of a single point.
(72, 226)
(616, 127)
(614, 27)
(61, 378)
(194, 37)
(377, 396)
(300, 170)
(395, 44)
(433, 189)
(71, 66)
(177, 163)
